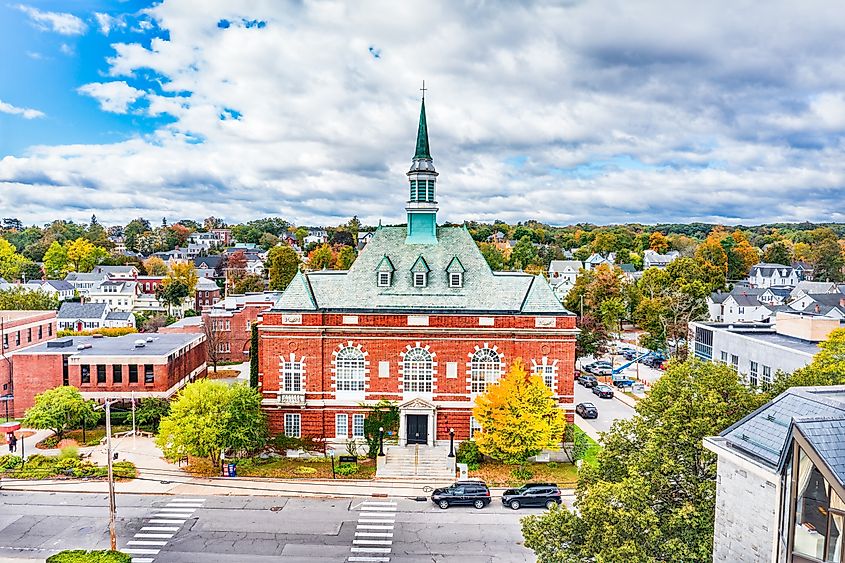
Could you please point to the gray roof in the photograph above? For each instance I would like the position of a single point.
(118, 316)
(115, 269)
(746, 300)
(561, 265)
(162, 344)
(59, 285)
(82, 310)
(768, 270)
(718, 296)
(483, 291)
(210, 261)
(811, 287)
(780, 291)
(826, 435)
(763, 434)
(85, 276)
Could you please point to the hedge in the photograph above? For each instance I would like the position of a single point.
(82, 556)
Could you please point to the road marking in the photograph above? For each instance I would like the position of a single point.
(161, 536)
(142, 560)
(380, 508)
(371, 550)
(159, 529)
(371, 521)
(362, 559)
(374, 527)
(167, 521)
(374, 515)
(370, 534)
(187, 500)
(377, 514)
(372, 542)
(136, 542)
(131, 550)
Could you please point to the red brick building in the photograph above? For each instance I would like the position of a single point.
(207, 294)
(231, 321)
(123, 367)
(419, 319)
(20, 330)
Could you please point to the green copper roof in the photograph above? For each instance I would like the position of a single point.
(422, 136)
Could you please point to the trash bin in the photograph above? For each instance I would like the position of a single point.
(232, 472)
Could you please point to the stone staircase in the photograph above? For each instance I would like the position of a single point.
(416, 462)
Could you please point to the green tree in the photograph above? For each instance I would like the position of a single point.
(345, 257)
(778, 253)
(209, 417)
(651, 497)
(827, 367)
(150, 411)
(518, 417)
(253, 356)
(172, 295)
(60, 409)
(31, 271)
(18, 298)
(827, 260)
(383, 414)
(55, 261)
(82, 256)
(523, 254)
(593, 339)
(10, 261)
(282, 265)
(321, 258)
(155, 266)
(248, 284)
(494, 257)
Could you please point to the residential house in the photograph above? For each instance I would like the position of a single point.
(206, 266)
(629, 272)
(775, 295)
(90, 316)
(149, 284)
(223, 236)
(824, 304)
(740, 305)
(812, 288)
(804, 270)
(83, 283)
(562, 275)
(780, 485)
(127, 273)
(207, 294)
(597, 259)
(653, 259)
(364, 238)
(316, 236)
(759, 351)
(120, 295)
(766, 275)
(127, 367)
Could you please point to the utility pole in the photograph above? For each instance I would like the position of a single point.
(112, 504)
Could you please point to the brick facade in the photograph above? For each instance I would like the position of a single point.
(21, 330)
(233, 329)
(383, 339)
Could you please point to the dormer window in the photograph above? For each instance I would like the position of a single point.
(384, 272)
(384, 279)
(420, 279)
(456, 279)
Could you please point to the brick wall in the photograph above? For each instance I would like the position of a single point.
(34, 374)
(238, 334)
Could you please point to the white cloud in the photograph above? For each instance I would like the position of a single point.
(26, 113)
(587, 111)
(108, 22)
(114, 97)
(63, 23)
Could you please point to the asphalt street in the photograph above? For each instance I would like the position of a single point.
(609, 409)
(232, 529)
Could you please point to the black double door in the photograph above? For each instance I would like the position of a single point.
(417, 425)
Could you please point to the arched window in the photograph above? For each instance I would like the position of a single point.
(350, 370)
(485, 368)
(418, 371)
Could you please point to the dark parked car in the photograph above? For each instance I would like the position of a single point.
(630, 354)
(588, 381)
(623, 383)
(532, 494)
(474, 493)
(654, 362)
(595, 367)
(587, 410)
(603, 391)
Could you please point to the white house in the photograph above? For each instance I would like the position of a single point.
(812, 288)
(317, 236)
(119, 295)
(742, 305)
(117, 272)
(59, 288)
(562, 274)
(89, 316)
(652, 259)
(766, 275)
(775, 295)
(83, 283)
(597, 259)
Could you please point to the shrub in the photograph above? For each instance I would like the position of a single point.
(305, 470)
(346, 469)
(67, 465)
(468, 453)
(521, 473)
(306, 443)
(69, 452)
(9, 462)
(82, 556)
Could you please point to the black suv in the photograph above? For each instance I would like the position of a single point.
(532, 494)
(588, 381)
(473, 493)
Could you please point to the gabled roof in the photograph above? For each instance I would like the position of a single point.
(118, 316)
(59, 285)
(768, 270)
(82, 311)
(745, 300)
(455, 266)
(563, 265)
(385, 265)
(483, 291)
(420, 265)
(812, 287)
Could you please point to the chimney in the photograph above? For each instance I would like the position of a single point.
(818, 308)
(842, 301)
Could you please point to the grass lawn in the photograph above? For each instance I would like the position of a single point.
(74, 437)
(497, 474)
(591, 455)
(286, 468)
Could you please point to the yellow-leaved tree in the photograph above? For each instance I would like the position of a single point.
(518, 417)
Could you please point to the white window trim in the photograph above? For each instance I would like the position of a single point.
(456, 279)
(473, 427)
(289, 427)
(341, 431)
(384, 279)
(420, 279)
(357, 423)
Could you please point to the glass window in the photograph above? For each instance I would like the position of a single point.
(133, 373)
(350, 370)
(49, 330)
(341, 426)
(292, 425)
(384, 279)
(473, 427)
(419, 279)
(724, 357)
(752, 376)
(418, 371)
(117, 373)
(101, 373)
(547, 373)
(29, 334)
(812, 512)
(149, 377)
(85, 374)
(292, 372)
(5, 341)
(40, 332)
(456, 279)
(735, 362)
(834, 544)
(357, 425)
(767, 375)
(485, 368)
(18, 338)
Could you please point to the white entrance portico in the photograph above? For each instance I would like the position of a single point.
(417, 422)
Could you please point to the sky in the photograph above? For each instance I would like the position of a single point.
(564, 112)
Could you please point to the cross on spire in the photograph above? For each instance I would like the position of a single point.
(423, 89)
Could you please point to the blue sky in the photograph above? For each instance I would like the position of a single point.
(603, 111)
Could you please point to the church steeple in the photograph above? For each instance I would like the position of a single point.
(422, 206)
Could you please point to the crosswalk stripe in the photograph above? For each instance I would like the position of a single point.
(183, 505)
(142, 560)
(185, 510)
(160, 536)
(372, 542)
(375, 534)
(144, 542)
(354, 558)
(159, 529)
(371, 521)
(131, 550)
(374, 527)
(376, 514)
(187, 500)
(167, 521)
(379, 508)
(370, 550)
(381, 502)
(174, 515)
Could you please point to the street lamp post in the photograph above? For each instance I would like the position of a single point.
(451, 442)
(381, 441)
(112, 504)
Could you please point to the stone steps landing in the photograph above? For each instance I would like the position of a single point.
(423, 462)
